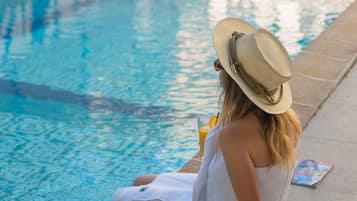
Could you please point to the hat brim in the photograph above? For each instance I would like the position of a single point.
(221, 35)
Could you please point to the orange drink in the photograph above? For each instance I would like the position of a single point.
(203, 131)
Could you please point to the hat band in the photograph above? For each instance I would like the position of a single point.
(237, 68)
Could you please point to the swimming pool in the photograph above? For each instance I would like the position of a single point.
(94, 92)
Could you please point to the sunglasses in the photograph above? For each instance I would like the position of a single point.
(217, 65)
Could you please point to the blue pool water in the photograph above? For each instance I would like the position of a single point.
(96, 92)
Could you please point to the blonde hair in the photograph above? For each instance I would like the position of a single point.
(281, 131)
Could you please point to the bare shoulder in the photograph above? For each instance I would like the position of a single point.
(243, 133)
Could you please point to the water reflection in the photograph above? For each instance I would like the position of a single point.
(290, 25)
(39, 8)
(31, 20)
(217, 10)
(6, 32)
(264, 12)
(194, 89)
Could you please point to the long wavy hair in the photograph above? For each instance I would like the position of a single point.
(280, 131)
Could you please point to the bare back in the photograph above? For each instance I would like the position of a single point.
(258, 148)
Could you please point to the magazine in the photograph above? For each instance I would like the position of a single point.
(310, 172)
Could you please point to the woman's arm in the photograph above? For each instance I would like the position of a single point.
(241, 171)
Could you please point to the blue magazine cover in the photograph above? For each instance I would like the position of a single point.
(310, 172)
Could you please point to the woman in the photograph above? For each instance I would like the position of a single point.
(250, 154)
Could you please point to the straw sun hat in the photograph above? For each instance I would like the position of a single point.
(257, 62)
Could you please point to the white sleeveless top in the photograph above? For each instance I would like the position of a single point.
(213, 183)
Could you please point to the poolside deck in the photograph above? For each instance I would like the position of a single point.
(320, 88)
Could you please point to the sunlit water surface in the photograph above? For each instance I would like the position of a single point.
(94, 93)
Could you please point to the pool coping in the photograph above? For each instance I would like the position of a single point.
(318, 69)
